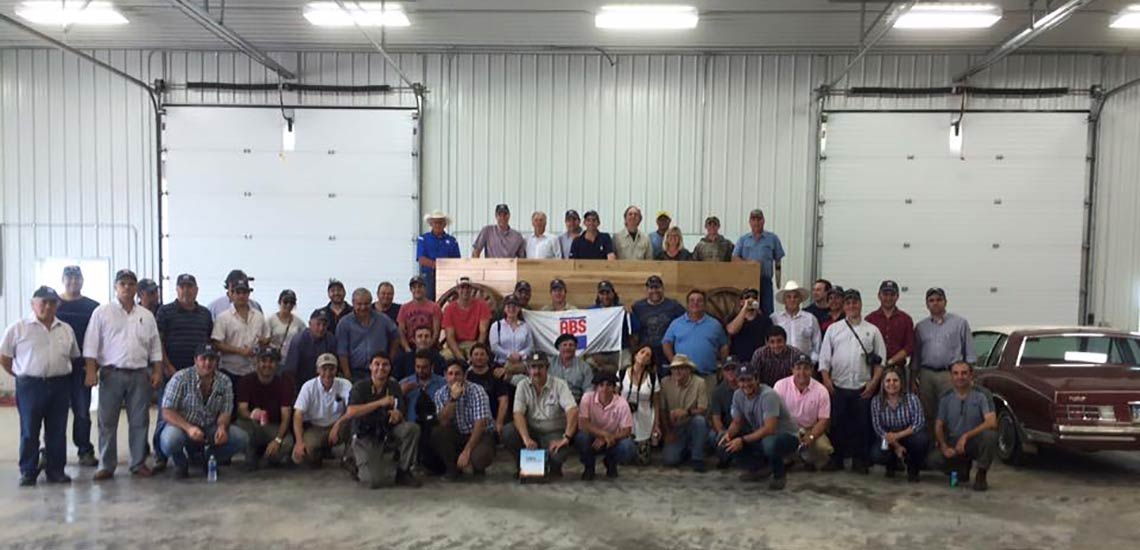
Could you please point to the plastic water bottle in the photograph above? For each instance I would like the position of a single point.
(212, 470)
(954, 478)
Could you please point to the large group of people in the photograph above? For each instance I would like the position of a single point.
(395, 390)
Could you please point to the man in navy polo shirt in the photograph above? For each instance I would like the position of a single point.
(75, 309)
(183, 325)
(764, 248)
(698, 336)
(433, 245)
(592, 244)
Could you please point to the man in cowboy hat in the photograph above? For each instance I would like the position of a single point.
(433, 245)
(801, 327)
(683, 405)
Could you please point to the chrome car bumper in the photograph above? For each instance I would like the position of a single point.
(1098, 433)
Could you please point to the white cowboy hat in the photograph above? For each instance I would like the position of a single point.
(792, 286)
(436, 215)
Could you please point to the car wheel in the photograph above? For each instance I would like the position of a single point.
(1009, 439)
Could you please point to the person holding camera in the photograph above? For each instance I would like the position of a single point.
(748, 331)
(851, 361)
(378, 412)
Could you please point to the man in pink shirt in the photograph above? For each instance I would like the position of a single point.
(418, 312)
(465, 321)
(810, 405)
(604, 427)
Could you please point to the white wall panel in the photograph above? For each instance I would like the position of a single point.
(1116, 276)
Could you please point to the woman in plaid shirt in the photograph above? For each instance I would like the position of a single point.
(900, 426)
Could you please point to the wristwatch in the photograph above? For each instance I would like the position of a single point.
(278, 440)
(566, 437)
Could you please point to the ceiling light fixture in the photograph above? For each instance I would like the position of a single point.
(1129, 18)
(364, 14)
(950, 16)
(70, 12)
(646, 17)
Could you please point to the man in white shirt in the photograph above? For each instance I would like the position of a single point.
(222, 303)
(801, 326)
(38, 351)
(539, 245)
(124, 357)
(238, 331)
(851, 361)
(318, 414)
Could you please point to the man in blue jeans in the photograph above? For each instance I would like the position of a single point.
(38, 350)
(604, 426)
(763, 432)
(75, 309)
(195, 424)
(683, 405)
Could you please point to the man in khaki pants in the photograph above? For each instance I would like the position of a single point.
(318, 413)
(810, 405)
(939, 341)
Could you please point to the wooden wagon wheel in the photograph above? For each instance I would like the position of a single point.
(482, 292)
(723, 303)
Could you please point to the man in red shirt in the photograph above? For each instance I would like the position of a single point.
(465, 321)
(416, 313)
(265, 411)
(897, 327)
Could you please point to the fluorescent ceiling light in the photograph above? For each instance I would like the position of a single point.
(1127, 19)
(364, 14)
(71, 12)
(950, 16)
(646, 17)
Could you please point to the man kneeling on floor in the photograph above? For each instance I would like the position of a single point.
(545, 417)
(685, 401)
(378, 408)
(762, 430)
(965, 429)
(265, 411)
(197, 407)
(605, 424)
(464, 436)
(318, 414)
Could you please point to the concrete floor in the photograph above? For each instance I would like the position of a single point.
(1060, 501)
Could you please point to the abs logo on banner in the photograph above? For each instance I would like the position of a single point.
(576, 326)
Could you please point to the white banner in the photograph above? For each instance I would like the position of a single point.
(597, 330)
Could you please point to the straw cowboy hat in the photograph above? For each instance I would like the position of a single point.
(792, 286)
(437, 215)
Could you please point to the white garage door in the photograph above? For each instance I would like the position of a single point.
(341, 204)
(998, 224)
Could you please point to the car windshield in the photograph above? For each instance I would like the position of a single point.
(1081, 349)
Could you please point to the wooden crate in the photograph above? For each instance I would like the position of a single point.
(582, 277)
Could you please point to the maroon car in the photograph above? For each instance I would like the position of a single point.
(1071, 387)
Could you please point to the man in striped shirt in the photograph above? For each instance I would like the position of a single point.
(774, 361)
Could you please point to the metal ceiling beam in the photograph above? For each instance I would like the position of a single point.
(1038, 27)
(227, 35)
(879, 29)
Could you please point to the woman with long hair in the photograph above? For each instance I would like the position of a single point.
(641, 388)
(511, 340)
(284, 326)
(900, 425)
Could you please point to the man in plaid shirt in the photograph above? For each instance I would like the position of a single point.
(193, 422)
(464, 437)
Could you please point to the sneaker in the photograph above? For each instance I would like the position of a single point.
(103, 475)
(27, 481)
(407, 479)
(699, 466)
(59, 478)
(182, 472)
(778, 483)
(88, 460)
(588, 474)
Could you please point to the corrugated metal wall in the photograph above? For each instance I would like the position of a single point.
(1116, 274)
(695, 134)
(77, 167)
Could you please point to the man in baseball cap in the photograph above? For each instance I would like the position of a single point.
(940, 340)
(148, 296)
(897, 327)
(762, 433)
(319, 421)
(234, 278)
(713, 247)
(657, 238)
(558, 297)
(762, 247)
(499, 240)
(312, 343)
(605, 426)
(810, 404)
(573, 231)
(651, 316)
(720, 408)
(523, 293)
